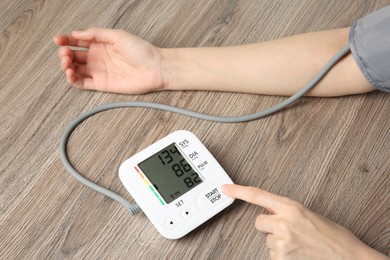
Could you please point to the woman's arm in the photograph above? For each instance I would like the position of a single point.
(116, 61)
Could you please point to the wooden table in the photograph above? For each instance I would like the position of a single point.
(331, 154)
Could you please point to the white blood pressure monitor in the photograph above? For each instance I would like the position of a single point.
(177, 183)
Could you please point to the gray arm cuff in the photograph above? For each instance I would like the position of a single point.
(369, 40)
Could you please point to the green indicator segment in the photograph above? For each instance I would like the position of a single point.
(158, 197)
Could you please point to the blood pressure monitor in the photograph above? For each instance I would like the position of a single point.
(177, 183)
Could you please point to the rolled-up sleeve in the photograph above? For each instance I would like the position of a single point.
(369, 40)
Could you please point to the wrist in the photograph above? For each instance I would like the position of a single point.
(366, 252)
(189, 69)
(359, 250)
(169, 68)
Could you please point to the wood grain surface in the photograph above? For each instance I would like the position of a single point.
(331, 154)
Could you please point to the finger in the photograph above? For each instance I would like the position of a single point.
(66, 63)
(253, 195)
(265, 223)
(79, 57)
(97, 34)
(59, 39)
(65, 51)
(69, 40)
(71, 76)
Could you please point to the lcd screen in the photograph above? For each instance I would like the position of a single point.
(170, 173)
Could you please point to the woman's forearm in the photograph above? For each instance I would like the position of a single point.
(276, 67)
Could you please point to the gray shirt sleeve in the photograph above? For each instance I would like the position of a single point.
(369, 40)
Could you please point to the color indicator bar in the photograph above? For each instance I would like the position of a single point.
(150, 186)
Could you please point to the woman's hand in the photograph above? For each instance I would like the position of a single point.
(295, 232)
(110, 60)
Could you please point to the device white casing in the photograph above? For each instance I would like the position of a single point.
(184, 214)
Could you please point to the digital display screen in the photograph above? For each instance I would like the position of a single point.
(170, 173)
